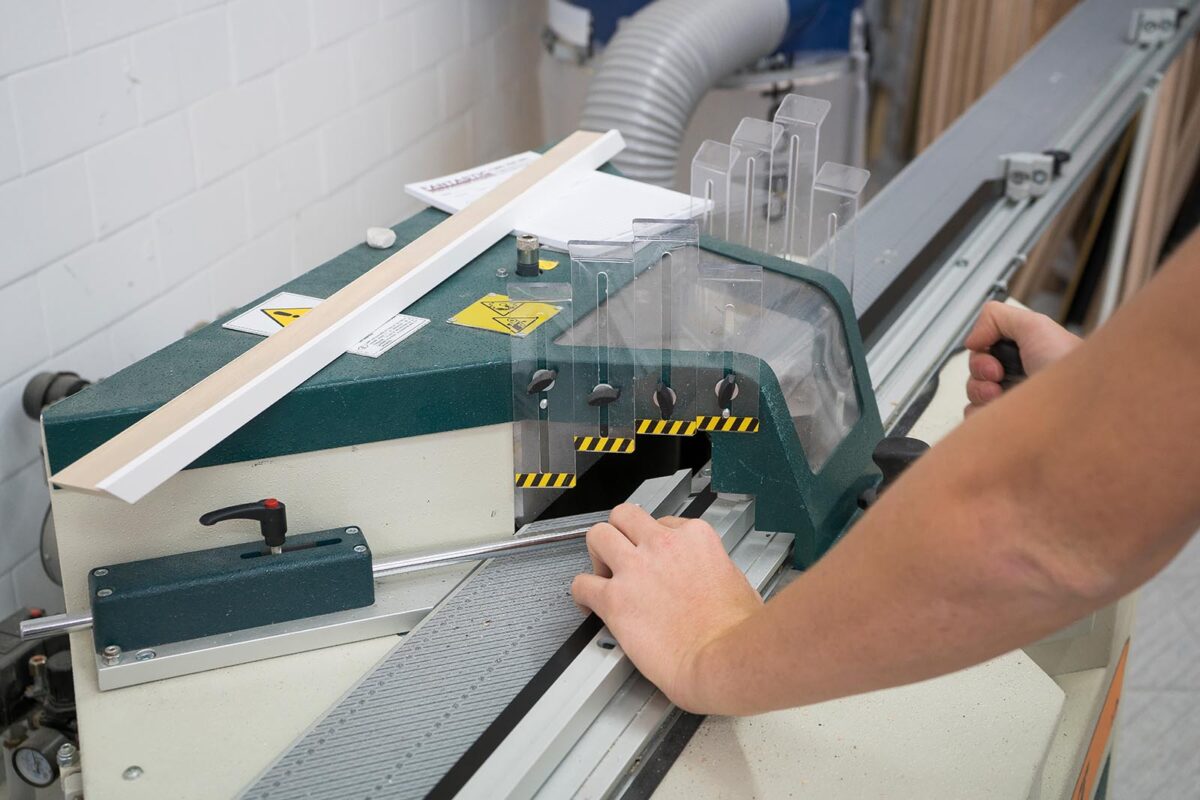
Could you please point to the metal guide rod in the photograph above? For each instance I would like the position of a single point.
(53, 625)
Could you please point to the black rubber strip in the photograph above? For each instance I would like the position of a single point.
(479, 752)
(657, 763)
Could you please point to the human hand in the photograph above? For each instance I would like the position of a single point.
(667, 590)
(1042, 341)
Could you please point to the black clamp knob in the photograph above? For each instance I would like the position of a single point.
(727, 389)
(542, 381)
(892, 455)
(270, 513)
(664, 398)
(603, 394)
(1060, 157)
(1009, 355)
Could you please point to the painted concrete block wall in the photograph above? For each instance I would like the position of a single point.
(162, 161)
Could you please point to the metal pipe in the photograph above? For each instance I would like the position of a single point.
(56, 624)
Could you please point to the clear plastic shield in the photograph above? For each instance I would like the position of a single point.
(835, 205)
(604, 355)
(666, 292)
(729, 322)
(795, 172)
(543, 389)
(751, 202)
(710, 188)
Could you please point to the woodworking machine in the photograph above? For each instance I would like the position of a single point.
(234, 633)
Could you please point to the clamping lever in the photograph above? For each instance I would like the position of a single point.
(270, 513)
(892, 455)
(1009, 356)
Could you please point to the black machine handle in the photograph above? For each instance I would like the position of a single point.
(892, 455)
(270, 513)
(1009, 356)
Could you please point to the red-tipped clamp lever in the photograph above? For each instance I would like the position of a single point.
(270, 513)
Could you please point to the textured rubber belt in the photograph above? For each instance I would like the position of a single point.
(398, 732)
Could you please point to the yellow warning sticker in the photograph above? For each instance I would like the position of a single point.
(285, 316)
(667, 427)
(495, 312)
(603, 444)
(546, 264)
(544, 480)
(728, 424)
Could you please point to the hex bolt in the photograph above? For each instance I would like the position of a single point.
(104, 592)
(501, 272)
(132, 773)
(111, 654)
(68, 755)
(353, 530)
(145, 655)
(100, 573)
(360, 548)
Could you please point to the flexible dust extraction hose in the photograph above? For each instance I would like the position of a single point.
(659, 65)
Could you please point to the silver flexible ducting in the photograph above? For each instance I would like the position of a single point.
(659, 65)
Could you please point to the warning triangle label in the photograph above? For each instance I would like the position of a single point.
(503, 307)
(285, 316)
(516, 324)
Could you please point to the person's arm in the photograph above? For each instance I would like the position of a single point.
(1057, 500)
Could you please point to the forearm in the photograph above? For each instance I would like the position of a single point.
(1034, 512)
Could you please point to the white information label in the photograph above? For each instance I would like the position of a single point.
(279, 311)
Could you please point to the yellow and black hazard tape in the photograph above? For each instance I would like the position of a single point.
(728, 424)
(545, 480)
(604, 444)
(667, 427)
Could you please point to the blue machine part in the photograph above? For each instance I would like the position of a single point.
(812, 24)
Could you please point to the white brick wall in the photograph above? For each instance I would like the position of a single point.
(164, 160)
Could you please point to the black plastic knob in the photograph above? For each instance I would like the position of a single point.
(727, 390)
(1009, 356)
(603, 394)
(892, 455)
(664, 398)
(270, 514)
(542, 381)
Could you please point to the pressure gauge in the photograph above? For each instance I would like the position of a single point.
(35, 759)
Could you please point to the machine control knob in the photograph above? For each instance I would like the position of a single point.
(542, 381)
(603, 394)
(270, 513)
(892, 455)
(664, 398)
(727, 389)
(1009, 356)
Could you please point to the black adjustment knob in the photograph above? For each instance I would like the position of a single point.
(892, 455)
(1060, 157)
(1009, 355)
(603, 394)
(664, 398)
(727, 390)
(270, 513)
(542, 381)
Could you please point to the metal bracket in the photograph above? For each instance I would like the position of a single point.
(1150, 27)
(1028, 174)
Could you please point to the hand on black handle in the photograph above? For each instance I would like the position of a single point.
(892, 455)
(1009, 356)
(270, 513)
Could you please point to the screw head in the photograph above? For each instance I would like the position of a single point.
(352, 530)
(501, 272)
(961, 261)
(67, 755)
(100, 573)
(145, 655)
(104, 593)
(360, 548)
(111, 654)
(132, 773)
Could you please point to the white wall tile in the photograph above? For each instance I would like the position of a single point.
(64, 107)
(188, 6)
(381, 199)
(439, 28)
(166, 319)
(381, 57)
(484, 17)
(43, 216)
(390, 8)
(22, 328)
(34, 588)
(336, 19)
(180, 63)
(415, 108)
(464, 78)
(139, 172)
(95, 287)
(10, 155)
(327, 228)
(31, 32)
(253, 270)
(90, 23)
(314, 89)
(234, 127)
(356, 141)
(23, 501)
(281, 184)
(265, 34)
(201, 228)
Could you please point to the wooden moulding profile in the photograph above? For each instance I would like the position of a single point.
(146, 454)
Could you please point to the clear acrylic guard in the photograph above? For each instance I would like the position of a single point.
(751, 202)
(729, 321)
(836, 196)
(710, 188)
(799, 119)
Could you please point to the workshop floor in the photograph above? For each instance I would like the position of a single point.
(1158, 752)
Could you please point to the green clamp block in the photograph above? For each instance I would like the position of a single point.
(174, 598)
